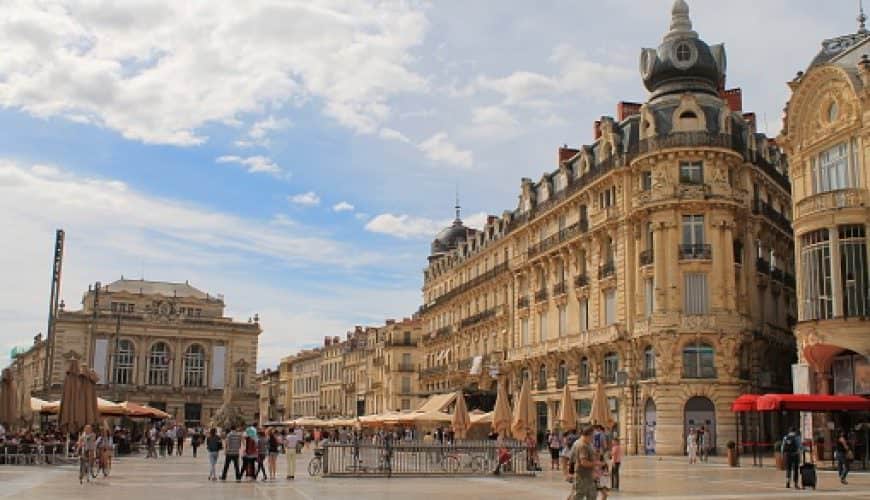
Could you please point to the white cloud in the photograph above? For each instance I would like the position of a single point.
(493, 122)
(393, 135)
(309, 199)
(159, 72)
(407, 226)
(254, 164)
(258, 134)
(342, 206)
(361, 216)
(438, 148)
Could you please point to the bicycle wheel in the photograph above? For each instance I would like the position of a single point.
(479, 464)
(451, 464)
(314, 467)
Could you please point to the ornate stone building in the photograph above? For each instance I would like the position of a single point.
(271, 395)
(331, 367)
(165, 344)
(305, 382)
(658, 259)
(825, 133)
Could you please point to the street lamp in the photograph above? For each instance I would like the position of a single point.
(623, 380)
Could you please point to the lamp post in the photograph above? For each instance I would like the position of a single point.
(623, 379)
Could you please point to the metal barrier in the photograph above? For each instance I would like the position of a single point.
(415, 458)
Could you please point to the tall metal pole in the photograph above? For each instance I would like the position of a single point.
(56, 272)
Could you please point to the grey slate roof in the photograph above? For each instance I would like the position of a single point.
(164, 288)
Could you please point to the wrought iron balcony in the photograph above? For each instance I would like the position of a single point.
(762, 266)
(648, 373)
(607, 270)
(581, 280)
(541, 295)
(405, 367)
(695, 251)
(646, 257)
(777, 274)
(559, 288)
(523, 302)
(789, 281)
(444, 330)
(699, 372)
(477, 318)
(778, 219)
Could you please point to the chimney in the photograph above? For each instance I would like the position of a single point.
(734, 99)
(326, 341)
(336, 339)
(490, 219)
(566, 153)
(625, 109)
(596, 130)
(391, 322)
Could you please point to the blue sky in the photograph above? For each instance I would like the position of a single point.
(297, 157)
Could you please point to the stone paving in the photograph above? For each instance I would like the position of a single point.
(184, 478)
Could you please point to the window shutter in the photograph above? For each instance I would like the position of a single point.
(695, 294)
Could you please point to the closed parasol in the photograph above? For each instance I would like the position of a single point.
(8, 398)
(461, 421)
(567, 411)
(70, 417)
(501, 415)
(599, 414)
(523, 423)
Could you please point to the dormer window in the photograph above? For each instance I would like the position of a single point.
(542, 193)
(683, 52)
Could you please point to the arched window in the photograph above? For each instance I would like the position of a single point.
(158, 364)
(745, 365)
(698, 361)
(649, 363)
(611, 366)
(524, 375)
(583, 371)
(123, 368)
(562, 375)
(194, 366)
(542, 378)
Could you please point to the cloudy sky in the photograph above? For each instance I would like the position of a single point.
(297, 157)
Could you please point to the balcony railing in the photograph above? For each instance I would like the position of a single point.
(765, 209)
(695, 251)
(646, 257)
(488, 275)
(581, 280)
(444, 330)
(703, 372)
(477, 318)
(560, 237)
(400, 343)
(541, 295)
(541, 385)
(777, 274)
(559, 288)
(775, 174)
(762, 266)
(433, 370)
(789, 281)
(685, 139)
(405, 367)
(606, 270)
(648, 373)
(465, 364)
(831, 200)
(523, 302)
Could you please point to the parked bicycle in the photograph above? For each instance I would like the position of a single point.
(315, 466)
(454, 462)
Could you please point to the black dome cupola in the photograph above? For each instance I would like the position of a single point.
(683, 62)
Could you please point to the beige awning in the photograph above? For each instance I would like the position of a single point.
(437, 402)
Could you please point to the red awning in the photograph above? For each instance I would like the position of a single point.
(746, 402)
(811, 402)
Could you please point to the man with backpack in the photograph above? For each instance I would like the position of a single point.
(791, 455)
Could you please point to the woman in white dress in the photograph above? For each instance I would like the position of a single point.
(692, 446)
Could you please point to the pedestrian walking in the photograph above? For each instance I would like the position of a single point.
(844, 455)
(262, 452)
(180, 435)
(274, 445)
(791, 454)
(161, 440)
(585, 462)
(213, 445)
(704, 443)
(195, 440)
(231, 453)
(616, 458)
(291, 443)
(170, 440)
(692, 446)
(249, 456)
(565, 453)
(554, 442)
(151, 443)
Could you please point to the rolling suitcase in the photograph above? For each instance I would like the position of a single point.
(808, 473)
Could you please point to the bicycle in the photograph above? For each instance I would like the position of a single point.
(315, 466)
(86, 467)
(453, 463)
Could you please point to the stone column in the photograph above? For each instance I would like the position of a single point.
(836, 279)
(728, 267)
(672, 276)
(717, 280)
(660, 269)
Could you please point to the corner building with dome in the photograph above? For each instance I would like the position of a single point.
(658, 259)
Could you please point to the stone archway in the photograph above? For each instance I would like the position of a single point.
(649, 427)
(700, 411)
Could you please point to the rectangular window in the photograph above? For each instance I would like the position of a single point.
(610, 307)
(542, 326)
(646, 180)
(584, 314)
(834, 169)
(691, 172)
(584, 407)
(695, 294)
(607, 198)
(816, 276)
(563, 321)
(853, 271)
(406, 404)
(649, 297)
(406, 385)
(525, 331)
(693, 230)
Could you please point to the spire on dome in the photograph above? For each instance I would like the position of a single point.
(861, 18)
(457, 207)
(681, 24)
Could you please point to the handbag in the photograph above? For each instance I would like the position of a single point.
(850, 455)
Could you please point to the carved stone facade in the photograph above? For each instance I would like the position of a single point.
(658, 259)
(164, 344)
(826, 132)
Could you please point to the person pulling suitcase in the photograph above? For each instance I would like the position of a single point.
(791, 455)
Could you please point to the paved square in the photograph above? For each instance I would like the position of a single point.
(134, 478)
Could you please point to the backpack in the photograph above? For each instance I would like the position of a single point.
(789, 444)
